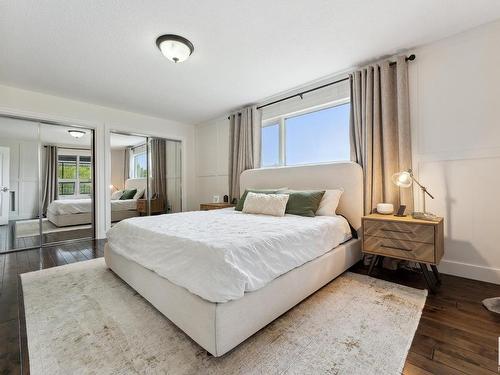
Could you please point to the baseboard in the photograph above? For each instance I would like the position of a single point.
(470, 271)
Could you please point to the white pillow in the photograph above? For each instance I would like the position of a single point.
(139, 193)
(329, 202)
(116, 195)
(265, 204)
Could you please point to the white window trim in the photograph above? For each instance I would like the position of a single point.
(132, 162)
(77, 179)
(280, 120)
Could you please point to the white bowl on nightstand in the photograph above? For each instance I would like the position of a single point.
(385, 208)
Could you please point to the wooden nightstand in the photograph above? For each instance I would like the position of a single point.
(157, 206)
(405, 238)
(214, 206)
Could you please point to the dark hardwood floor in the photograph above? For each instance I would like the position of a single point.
(456, 335)
(14, 264)
(9, 241)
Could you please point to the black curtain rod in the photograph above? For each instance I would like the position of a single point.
(408, 58)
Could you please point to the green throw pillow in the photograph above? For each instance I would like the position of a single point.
(303, 202)
(128, 194)
(241, 202)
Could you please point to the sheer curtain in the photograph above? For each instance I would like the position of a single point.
(50, 192)
(244, 145)
(126, 164)
(159, 169)
(380, 130)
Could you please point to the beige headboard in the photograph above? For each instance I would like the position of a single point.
(346, 175)
(135, 183)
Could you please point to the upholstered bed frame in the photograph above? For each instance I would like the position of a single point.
(219, 327)
(86, 217)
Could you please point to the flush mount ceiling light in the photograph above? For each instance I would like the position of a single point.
(175, 47)
(76, 133)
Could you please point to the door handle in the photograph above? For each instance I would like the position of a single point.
(4, 189)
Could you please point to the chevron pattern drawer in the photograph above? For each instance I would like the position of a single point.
(399, 231)
(403, 238)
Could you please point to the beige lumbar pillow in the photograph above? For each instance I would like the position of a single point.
(329, 202)
(265, 204)
(116, 195)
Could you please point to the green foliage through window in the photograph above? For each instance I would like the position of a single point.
(74, 174)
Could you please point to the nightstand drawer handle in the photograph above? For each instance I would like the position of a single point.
(396, 230)
(395, 247)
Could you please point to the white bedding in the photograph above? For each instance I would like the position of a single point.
(221, 254)
(79, 206)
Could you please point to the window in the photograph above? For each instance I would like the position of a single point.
(271, 145)
(74, 176)
(309, 137)
(139, 165)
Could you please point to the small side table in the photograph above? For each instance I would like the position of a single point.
(420, 241)
(157, 206)
(214, 206)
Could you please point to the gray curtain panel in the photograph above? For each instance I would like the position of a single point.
(126, 165)
(50, 192)
(244, 146)
(159, 169)
(380, 130)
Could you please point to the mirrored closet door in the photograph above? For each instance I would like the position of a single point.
(165, 177)
(129, 171)
(19, 184)
(67, 204)
(46, 184)
(145, 176)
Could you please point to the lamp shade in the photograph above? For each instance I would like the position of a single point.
(402, 179)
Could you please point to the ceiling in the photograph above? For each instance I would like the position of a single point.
(22, 130)
(121, 141)
(104, 52)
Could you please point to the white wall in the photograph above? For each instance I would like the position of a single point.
(104, 119)
(118, 168)
(212, 153)
(455, 112)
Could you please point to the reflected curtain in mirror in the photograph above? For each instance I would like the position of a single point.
(49, 178)
(159, 170)
(126, 165)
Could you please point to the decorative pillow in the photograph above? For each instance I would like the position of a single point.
(128, 194)
(139, 194)
(241, 202)
(265, 204)
(303, 202)
(116, 195)
(329, 202)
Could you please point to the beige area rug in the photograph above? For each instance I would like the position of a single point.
(81, 318)
(30, 228)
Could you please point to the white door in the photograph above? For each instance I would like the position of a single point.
(4, 185)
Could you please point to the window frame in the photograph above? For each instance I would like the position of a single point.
(280, 121)
(133, 156)
(75, 180)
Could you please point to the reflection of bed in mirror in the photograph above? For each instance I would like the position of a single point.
(68, 212)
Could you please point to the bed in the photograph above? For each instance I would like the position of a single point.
(68, 212)
(192, 270)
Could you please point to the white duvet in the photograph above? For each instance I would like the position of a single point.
(79, 206)
(221, 254)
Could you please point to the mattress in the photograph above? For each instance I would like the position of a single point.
(221, 254)
(79, 206)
